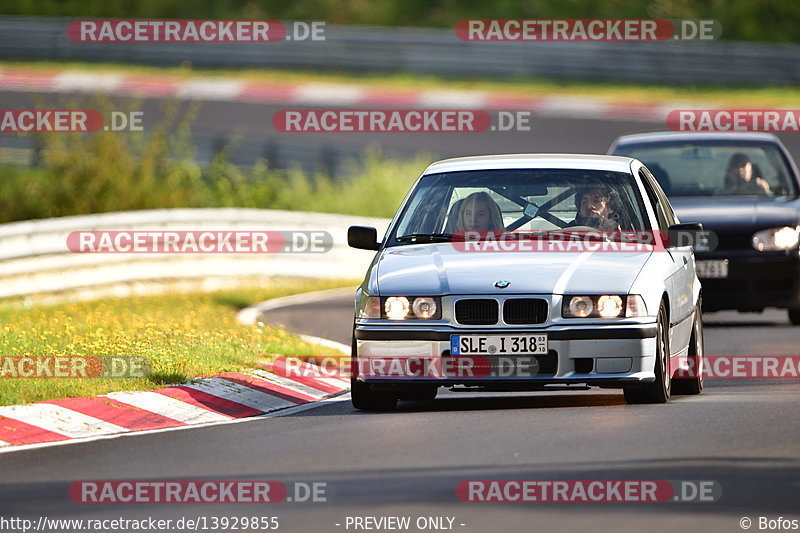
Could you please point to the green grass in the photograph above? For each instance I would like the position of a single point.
(181, 335)
(524, 86)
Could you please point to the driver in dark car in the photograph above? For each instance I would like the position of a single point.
(742, 177)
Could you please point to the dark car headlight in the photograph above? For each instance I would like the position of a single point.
(603, 306)
(769, 240)
(402, 307)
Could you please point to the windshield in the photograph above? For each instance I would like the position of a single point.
(702, 168)
(518, 200)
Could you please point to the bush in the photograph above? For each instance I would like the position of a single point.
(104, 171)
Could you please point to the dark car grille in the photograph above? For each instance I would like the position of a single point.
(735, 241)
(739, 286)
(525, 311)
(475, 312)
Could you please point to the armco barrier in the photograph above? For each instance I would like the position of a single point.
(364, 48)
(34, 257)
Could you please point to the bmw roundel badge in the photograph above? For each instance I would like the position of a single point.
(502, 284)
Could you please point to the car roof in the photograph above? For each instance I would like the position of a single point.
(672, 136)
(516, 161)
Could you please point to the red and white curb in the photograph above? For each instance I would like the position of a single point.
(326, 94)
(272, 388)
(222, 398)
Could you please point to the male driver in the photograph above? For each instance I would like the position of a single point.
(597, 208)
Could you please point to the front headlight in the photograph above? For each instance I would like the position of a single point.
(401, 307)
(609, 306)
(411, 307)
(396, 307)
(424, 307)
(580, 307)
(603, 306)
(773, 239)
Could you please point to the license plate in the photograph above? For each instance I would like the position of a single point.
(500, 345)
(712, 269)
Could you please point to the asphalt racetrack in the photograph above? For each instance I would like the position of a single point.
(741, 435)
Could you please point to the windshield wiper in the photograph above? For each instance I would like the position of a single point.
(427, 237)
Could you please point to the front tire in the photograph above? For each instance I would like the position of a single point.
(366, 399)
(693, 385)
(794, 317)
(361, 395)
(658, 391)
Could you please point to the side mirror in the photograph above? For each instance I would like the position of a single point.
(363, 237)
(688, 234)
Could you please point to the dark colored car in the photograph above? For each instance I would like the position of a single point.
(743, 187)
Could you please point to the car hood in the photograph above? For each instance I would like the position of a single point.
(730, 212)
(440, 269)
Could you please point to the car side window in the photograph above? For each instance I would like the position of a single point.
(669, 214)
(426, 212)
(663, 223)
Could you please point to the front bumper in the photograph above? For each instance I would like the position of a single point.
(607, 356)
(754, 281)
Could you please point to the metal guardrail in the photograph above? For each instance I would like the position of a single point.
(359, 48)
(35, 259)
